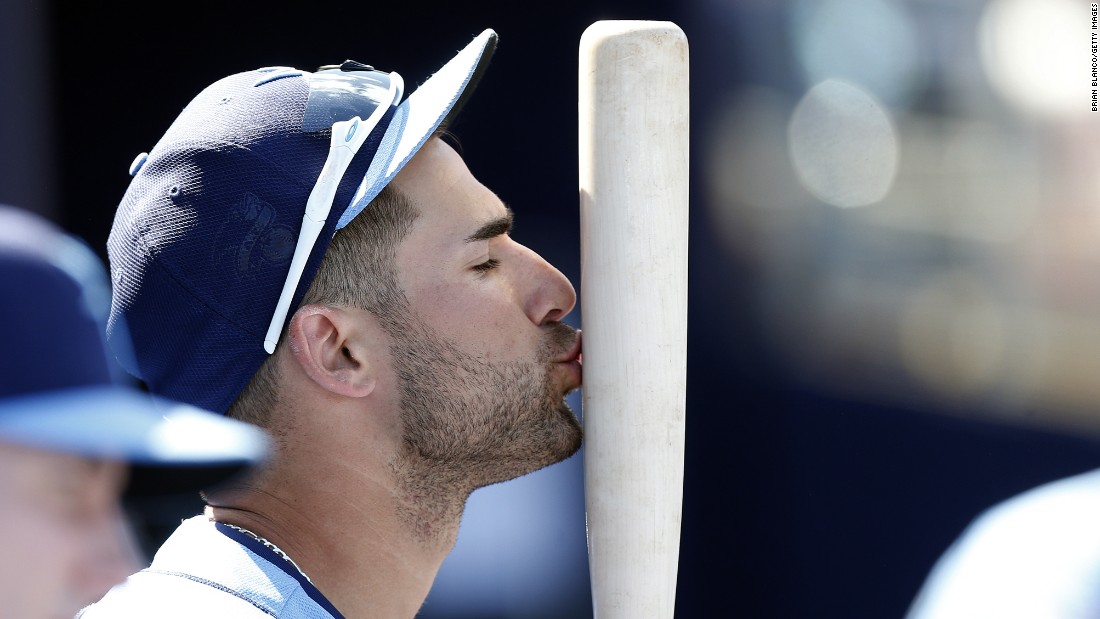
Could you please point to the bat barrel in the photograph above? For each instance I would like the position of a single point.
(633, 106)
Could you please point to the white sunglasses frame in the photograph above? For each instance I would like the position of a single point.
(347, 137)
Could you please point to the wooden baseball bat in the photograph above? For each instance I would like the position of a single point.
(633, 104)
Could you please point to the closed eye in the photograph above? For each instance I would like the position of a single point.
(487, 266)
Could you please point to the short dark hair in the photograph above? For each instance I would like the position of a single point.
(358, 270)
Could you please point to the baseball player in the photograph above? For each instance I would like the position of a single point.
(69, 436)
(303, 251)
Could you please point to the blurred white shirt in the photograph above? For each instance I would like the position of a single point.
(1034, 556)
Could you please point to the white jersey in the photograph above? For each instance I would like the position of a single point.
(206, 569)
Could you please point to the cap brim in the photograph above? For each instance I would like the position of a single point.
(118, 423)
(419, 116)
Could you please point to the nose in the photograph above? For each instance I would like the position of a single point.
(549, 296)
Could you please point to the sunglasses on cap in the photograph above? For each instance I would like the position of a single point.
(351, 99)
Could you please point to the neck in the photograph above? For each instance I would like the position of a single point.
(369, 535)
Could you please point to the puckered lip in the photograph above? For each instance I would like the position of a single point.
(574, 352)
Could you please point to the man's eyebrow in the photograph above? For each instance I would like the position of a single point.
(496, 227)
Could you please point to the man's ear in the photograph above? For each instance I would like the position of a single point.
(331, 348)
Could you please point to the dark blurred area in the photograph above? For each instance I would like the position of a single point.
(895, 257)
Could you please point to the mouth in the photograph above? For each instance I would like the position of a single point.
(574, 352)
(572, 360)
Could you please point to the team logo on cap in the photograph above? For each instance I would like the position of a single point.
(264, 242)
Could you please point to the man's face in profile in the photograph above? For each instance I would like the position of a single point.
(483, 360)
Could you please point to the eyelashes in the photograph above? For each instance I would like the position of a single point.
(487, 266)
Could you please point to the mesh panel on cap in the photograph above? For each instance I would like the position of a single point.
(204, 236)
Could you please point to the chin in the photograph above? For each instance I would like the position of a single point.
(572, 432)
(559, 439)
(548, 443)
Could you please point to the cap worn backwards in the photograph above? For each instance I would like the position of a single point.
(204, 238)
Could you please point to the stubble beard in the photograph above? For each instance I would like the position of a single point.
(469, 423)
(468, 419)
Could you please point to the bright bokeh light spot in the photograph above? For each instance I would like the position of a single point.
(1034, 53)
(843, 145)
(869, 42)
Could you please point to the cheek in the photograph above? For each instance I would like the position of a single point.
(481, 317)
(39, 559)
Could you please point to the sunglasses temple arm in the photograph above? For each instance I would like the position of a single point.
(342, 150)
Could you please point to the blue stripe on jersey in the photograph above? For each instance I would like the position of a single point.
(255, 546)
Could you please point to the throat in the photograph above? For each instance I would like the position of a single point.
(429, 505)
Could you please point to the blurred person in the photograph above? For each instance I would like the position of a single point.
(302, 250)
(69, 435)
(1035, 555)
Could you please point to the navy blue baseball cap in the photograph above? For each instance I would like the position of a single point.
(60, 392)
(227, 218)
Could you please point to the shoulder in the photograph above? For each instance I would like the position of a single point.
(171, 596)
(1034, 555)
(201, 572)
